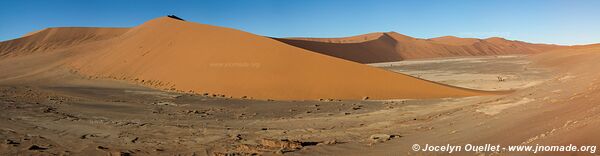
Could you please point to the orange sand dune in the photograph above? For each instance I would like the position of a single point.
(391, 46)
(456, 41)
(204, 58)
(56, 38)
(173, 54)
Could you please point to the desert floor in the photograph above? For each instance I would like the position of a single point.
(75, 115)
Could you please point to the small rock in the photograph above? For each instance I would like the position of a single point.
(124, 153)
(101, 148)
(380, 137)
(236, 137)
(86, 136)
(135, 139)
(36, 147)
(11, 142)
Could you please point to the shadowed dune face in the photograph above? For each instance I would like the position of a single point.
(377, 47)
(391, 46)
(172, 54)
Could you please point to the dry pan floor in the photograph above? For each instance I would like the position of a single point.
(98, 117)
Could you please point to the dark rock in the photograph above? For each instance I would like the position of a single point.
(102, 148)
(36, 147)
(12, 142)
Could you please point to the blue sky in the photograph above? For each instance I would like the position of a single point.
(549, 21)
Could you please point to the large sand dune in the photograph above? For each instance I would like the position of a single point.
(179, 55)
(392, 46)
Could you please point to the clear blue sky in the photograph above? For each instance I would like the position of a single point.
(541, 21)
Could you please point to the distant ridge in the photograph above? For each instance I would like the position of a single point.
(392, 46)
(51, 39)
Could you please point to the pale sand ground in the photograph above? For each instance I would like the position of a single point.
(480, 73)
(76, 116)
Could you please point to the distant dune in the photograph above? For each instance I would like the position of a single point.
(392, 46)
(173, 54)
(51, 39)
